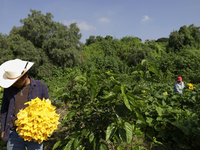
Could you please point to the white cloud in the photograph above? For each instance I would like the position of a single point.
(85, 26)
(81, 24)
(103, 20)
(65, 22)
(145, 18)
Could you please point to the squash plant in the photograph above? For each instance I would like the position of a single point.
(103, 113)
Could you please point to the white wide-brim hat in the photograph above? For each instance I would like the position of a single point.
(12, 70)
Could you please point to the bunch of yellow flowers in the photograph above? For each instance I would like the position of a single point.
(37, 121)
(190, 86)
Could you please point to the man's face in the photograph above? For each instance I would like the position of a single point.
(20, 83)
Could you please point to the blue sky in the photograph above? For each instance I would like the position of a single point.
(146, 19)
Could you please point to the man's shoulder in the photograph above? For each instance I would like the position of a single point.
(37, 82)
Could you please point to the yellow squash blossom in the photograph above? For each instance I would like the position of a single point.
(165, 93)
(37, 121)
(190, 86)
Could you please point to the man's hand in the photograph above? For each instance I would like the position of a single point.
(2, 134)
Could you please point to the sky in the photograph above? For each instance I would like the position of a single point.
(145, 19)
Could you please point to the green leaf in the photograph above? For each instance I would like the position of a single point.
(69, 115)
(117, 138)
(140, 120)
(80, 147)
(80, 78)
(93, 92)
(138, 114)
(116, 88)
(69, 144)
(122, 110)
(56, 144)
(159, 111)
(122, 89)
(181, 127)
(133, 100)
(77, 142)
(122, 135)
(91, 136)
(95, 142)
(103, 146)
(109, 95)
(153, 69)
(126, 102)
(110, 131)
(149, 121)
(129, 132)
(83, 132)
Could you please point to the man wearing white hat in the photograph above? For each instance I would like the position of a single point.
(19, 88)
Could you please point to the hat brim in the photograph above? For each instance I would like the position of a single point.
(5, 82)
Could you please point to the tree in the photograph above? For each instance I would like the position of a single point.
(175, 41)
(90, 40)
(163, 39)
(46, 42)
(188, 39)
(5, 52)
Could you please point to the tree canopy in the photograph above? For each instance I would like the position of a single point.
(46, 42)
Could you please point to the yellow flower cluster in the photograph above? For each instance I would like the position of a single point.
(190, 86)
(143, 91)
(37, 121)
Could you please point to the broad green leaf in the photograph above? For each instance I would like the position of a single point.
(103, 146)
(93, 92)
(143, 61)
(122, 89)
(119, 148)
(71, 114)
(122, 135)
(149, 121)
(80, 147)
(69, 144)
(138, 114)
(74, 135)
(122, 110)
(110, 131)
(56, 144)
(140, 120)
(126, 102)
(116, 88)
(77, 142)
(181, 127)
(95, 143)
(117, 138)
(80, 78)
(153, 69)
(109, 95)
(91, 136)
(159, 111)
(129, 132)
(83, 132)
(135, 100)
